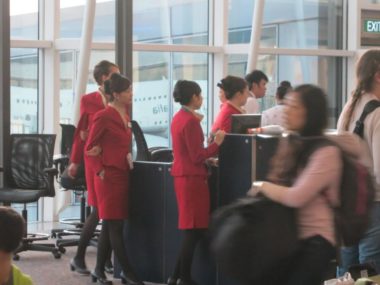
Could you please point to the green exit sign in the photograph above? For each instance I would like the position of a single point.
(372, 26)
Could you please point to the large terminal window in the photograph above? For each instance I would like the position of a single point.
(167, 22)
(155, 74)
(171, 21)
(24, 85)
(323, 71)
(72, 18)
(68, 74)
(290, 24)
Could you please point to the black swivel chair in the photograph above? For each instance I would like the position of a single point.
(162, 154)
(29, 177)
(78, 185)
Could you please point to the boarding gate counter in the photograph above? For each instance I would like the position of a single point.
(151, 235)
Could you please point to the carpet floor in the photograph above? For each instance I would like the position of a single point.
(46, 270)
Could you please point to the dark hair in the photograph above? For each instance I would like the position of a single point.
(255, 76)
(281, 92)
(231, 85)
(12, 229)
(366, 69)
(314, 100)
(184, 91)
(117, 83)
(103, 68)
(285, 83)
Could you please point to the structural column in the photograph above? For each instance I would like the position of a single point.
(84, 55)
(257, 21)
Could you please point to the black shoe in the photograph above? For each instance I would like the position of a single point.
(187, 282)
(80, 268)
(101, 278)
(130, 280)
(172, 281)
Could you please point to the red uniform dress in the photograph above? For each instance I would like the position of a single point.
(223, 120)
(90, 104)
(114, 137)
(189, 170)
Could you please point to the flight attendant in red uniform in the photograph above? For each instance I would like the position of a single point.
(90, 104)
(236, 92)
(190, 175)
(109, 145)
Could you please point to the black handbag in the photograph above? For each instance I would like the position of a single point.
(251, 237)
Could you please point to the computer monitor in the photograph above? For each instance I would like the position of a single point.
(242, 122)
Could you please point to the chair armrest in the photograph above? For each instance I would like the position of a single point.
(162, 155)
(51, 171)
(60, 158)
(61, 161)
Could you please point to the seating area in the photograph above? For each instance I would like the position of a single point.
(29, 176)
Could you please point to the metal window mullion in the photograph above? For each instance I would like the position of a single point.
(5, 88)
(170, 100)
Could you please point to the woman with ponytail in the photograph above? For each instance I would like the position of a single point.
(108, 146)
(367, 89)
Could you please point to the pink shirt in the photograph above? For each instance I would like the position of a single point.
(314, 192)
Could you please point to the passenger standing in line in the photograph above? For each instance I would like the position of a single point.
(109, 146)
(275, 115)
(257, 85)
(308, 180)
(367, 89)
(236, 93)
(90, 104)
(190, 175)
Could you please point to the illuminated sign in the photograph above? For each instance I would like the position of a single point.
(372, 26)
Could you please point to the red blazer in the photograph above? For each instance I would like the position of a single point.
(109, 132)
(188, 149)
(90, 104)
(223, 120)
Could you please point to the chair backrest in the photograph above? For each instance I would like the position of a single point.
(67, 138)
(143, 153)
(31, 155)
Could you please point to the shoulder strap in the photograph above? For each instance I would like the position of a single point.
(368, 108)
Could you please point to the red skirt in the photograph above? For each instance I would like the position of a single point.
(90, 183)
(112, 194)
(193, 200)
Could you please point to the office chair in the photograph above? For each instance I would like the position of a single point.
(29, 178)
(78, 185)
(162, 154)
